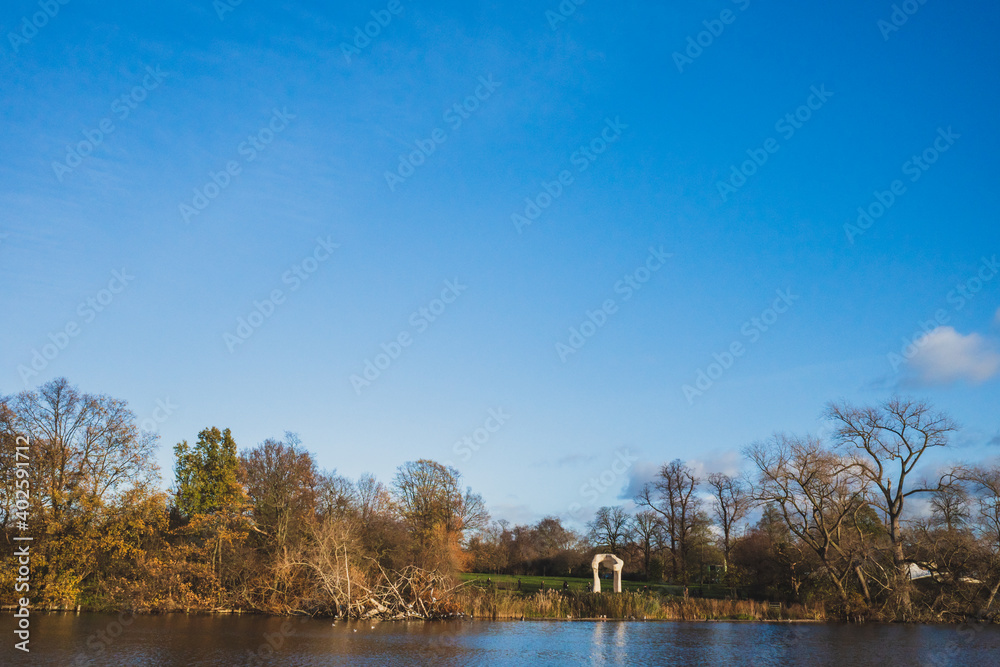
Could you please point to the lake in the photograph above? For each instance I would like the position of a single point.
(176, 639)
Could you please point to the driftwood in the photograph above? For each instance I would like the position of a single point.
(339, 581)
(345, 590)
(410, 593)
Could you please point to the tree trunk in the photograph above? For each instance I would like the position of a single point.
(989, 600)
(902, 572)
(864, 584)
(841, 591)
(673, 559)
(832, 571)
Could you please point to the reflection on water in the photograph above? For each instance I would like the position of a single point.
(608, 644)
(147, 641)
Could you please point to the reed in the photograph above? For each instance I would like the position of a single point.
(499, 604)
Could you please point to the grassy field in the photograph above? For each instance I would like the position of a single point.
(579, 584)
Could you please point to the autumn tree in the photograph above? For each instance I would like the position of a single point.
(548, 547)
(280, 479)
(133, 564)
(552, 536)
(8, 465)
(436, 510)
(84, 447)
(211, 501)
(491, 547)
(889, 440)
(772, 562)
(86, 454)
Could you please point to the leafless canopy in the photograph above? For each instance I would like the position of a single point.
(731, 501)
(673, 496)
(611, 528)
(818, 493)
(889, 440)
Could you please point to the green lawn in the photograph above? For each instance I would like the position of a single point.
(532, 584)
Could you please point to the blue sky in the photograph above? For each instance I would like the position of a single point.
(164, 99)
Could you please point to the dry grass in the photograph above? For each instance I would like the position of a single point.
(498, 604)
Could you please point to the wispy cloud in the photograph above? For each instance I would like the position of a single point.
(727, 462)
(574, 460)
(515, 513)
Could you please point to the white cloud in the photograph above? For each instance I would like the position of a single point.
(944, 355)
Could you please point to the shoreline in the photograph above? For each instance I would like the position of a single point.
(481, 619)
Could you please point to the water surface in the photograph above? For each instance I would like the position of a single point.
(181, 640)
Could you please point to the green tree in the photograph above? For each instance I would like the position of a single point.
(206, 475)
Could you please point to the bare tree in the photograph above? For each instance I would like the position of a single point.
(986, 490)
(950, 505)
(672, 496)
(335, 495)
(610, 528)
(647, 527)
(890, 440)
(492, 547)
(817, 493)
(373, 497)
(731, 501)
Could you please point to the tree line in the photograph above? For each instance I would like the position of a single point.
(845, 522)
(259, 529)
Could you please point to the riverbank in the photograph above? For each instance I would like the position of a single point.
(478, 603)
(499, 605)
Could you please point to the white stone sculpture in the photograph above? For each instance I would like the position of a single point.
(616, 564)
